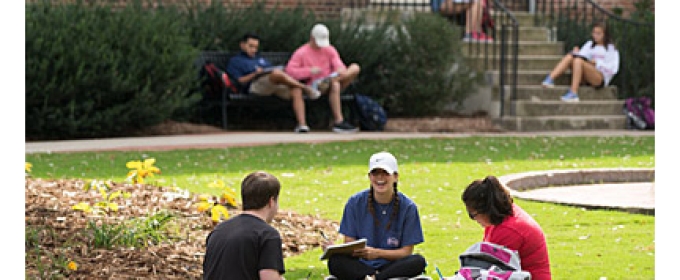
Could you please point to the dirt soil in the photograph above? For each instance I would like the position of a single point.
(56, 234)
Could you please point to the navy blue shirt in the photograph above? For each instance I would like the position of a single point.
(242, 64)
(357, 222)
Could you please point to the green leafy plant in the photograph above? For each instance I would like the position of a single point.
(101, 71)
(138, 232)
(107, 203)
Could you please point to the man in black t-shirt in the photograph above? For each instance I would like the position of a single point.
(246, 247)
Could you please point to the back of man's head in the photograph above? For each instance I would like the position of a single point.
(257, 188)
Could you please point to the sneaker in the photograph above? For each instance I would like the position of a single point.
(301, 129)
(482, 37)
(570, 96)
(344, 127)
(467, 37)
(548, 82)
(330, 277)
(312, 92)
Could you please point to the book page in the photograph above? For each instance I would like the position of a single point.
(345, 248)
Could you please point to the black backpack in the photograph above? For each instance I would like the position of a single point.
(372, 116)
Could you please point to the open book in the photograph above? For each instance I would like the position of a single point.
(345, 248)
(268, 70)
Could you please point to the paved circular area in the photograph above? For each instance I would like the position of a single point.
(631, 197)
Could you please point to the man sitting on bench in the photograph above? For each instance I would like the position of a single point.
(318, 63)
(257, 76)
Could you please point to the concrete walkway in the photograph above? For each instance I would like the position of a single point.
(627, 196)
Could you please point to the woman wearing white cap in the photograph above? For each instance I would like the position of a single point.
(390, 222)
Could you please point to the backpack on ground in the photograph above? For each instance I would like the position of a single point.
(489, 261)
(372, 116)
(639, 113)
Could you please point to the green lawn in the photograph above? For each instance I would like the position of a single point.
(318, 178)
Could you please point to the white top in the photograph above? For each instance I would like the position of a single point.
(606, 59)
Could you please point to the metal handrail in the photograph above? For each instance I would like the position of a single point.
(509, 23)
(505, 33)
(566, 18)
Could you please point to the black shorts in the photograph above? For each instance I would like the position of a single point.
(601, 85)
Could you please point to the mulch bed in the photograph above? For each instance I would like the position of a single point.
(57, 234)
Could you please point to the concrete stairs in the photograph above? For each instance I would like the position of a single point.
(540, 109)
(535, 108)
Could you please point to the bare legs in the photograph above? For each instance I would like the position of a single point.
(339, 83)
(581, 70)
(298, 105)
(474, 18)
(281, 78)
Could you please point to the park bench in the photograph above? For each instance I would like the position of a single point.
(227, 98)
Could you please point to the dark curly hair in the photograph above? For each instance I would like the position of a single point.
(488, 197)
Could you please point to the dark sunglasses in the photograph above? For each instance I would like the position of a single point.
(472, 215)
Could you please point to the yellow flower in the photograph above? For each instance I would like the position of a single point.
(83, 206)
(28, 167)
(229, 198)
(217, 211)
(141, 170)
(203, 206)
(204, 197)
(72, 265)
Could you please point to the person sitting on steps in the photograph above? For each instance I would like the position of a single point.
(595, 63)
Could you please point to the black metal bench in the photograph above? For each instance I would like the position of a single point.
(229, 99)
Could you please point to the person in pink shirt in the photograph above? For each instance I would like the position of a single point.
(319, 65)
(505, 223)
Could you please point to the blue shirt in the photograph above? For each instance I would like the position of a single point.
(357, 222)
(242, 64)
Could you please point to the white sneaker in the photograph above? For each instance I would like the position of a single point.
(313, 93)
(301, 129)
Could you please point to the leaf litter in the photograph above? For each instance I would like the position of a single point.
(57, 234)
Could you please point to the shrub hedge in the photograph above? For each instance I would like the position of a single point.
(94, 70)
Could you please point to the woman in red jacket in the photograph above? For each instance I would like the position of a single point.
(505, 223)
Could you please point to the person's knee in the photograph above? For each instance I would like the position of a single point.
(355, 68)
(578, 62)
(419, 260)
(296, 93)
(276, 75)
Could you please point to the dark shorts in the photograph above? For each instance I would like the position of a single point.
(601, 85)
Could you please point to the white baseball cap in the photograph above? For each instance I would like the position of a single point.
(383, 160)
(321, 35)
